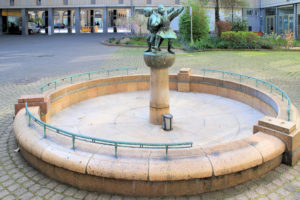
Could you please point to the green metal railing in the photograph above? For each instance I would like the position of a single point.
(257, 81)
(87, 74)
(116, 144)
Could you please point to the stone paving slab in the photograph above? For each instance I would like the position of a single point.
(18, 180)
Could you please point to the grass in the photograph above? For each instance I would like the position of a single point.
(141, 42)
(282, 68)
(164, 44)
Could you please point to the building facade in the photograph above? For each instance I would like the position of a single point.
(280, 16)
(104, 16)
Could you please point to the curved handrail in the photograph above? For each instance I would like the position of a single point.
(272, 87)
(116, 144)
(71, 77)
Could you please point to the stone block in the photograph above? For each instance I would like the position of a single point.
(143, 86)
(92, 93)
(183, 78)
(110, 167)
(222, 92)
(269, 146)
(291, 140)
(32, 98)
(230, 157)
(278, 124)
(203, 88)
(180, 188)
(150, 189)
(119, 186)
(66, 158)
(181, 165)
(156, 114)
(231, 85)
(44, 106)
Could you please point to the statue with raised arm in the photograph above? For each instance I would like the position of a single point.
(165, 31)
(153, 26)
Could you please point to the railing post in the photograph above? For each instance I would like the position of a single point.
(256, 82)
(223, 74)
(26, 109)
(289, 115)
(116, 150)
(45, 131)
(55, 85)
(271, 88)
(127, 71)
(73, 142)
(240, 78)
(71, 79)
(41, 90)
(282, 96)
(29, 119)
(89, 76)
(167, 152)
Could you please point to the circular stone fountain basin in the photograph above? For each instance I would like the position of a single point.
(207, 112)
(203, 119)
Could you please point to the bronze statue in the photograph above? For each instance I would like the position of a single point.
(159, 27)
(153, 25)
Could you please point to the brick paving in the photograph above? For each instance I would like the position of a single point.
(18, 180)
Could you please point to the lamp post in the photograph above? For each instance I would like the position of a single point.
(191, 13)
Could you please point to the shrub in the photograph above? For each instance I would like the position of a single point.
(118, 41)
(200, 22)
(128, 42)
(204, 44)
(277, 40)
(223, 26)
(110, 40)
(240, 39)
(290, 39)
(263, 43)
(239, 24)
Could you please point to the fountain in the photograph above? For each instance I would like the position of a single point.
(96, 135)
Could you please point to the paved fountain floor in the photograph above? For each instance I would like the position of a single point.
(199, 118)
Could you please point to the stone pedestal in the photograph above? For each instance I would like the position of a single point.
(159, 86)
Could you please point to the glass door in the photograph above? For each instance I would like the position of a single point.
(270, 24)
(291, 23)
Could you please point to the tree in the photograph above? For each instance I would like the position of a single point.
(217, 16)
(233, 4)
(200, 24)
(217, 11)
(138, 23)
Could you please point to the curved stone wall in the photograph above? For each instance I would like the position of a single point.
(140, 172)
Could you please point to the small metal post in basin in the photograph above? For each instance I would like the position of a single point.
(159, 86)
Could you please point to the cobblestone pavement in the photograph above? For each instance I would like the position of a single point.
(20, 181)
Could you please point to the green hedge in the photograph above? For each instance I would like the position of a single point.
(240, 40)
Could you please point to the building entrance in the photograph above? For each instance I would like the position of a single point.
(119, 20)
(270, 24)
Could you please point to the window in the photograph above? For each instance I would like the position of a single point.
(38, 2)
(177, 1)
(249, 28)
(121, 1)
(12, 2)
(93, 1)
(65, 2)
(149, 1)
(256, 13)
(249, 12)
